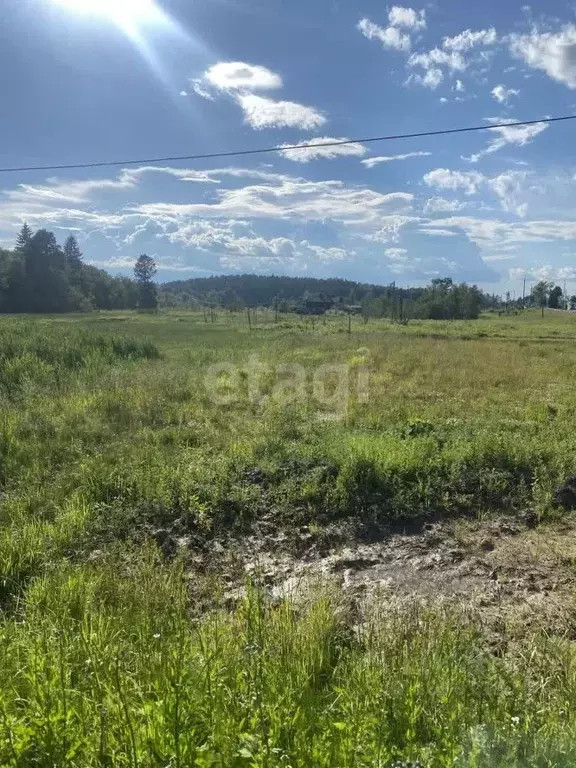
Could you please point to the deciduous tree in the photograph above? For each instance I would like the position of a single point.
(144, 272)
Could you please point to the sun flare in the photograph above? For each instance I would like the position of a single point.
(122, 12)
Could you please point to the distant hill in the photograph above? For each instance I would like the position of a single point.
(442, 299)
(265, 290)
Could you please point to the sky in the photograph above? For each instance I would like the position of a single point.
(99, 80)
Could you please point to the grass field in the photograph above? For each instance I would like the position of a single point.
(123, 454)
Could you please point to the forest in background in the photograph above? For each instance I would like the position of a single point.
(40, 276)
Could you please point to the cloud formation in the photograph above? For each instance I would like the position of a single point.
(468, 39)
(449, 58)
(307, 153)
(370, 162)
(511, 188)
(240, 80)
(444, 178)
(262, 112)
(502, 94)
(395, 36)
(390, 37)
(442, 205)
(237, 75)
(512, 135)
(552, 53)
(407, 17)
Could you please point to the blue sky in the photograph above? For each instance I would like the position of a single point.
(82, 81)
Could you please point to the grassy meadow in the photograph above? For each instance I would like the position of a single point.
(117, 652)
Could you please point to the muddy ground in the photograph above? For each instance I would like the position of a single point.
(512, 572)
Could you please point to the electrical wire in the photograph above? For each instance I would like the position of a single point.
(287, 148)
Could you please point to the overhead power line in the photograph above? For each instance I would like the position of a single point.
(286, 148)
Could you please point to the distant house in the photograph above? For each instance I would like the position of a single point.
(316, 306)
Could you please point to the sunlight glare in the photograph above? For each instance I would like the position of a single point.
(143, 22)
(125, 13)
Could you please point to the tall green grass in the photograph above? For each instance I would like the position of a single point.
(111, 664)
(112, 657)
(36, 354)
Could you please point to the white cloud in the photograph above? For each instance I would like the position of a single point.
(390, 37)
(443, 178)
(370, 162)
(509, 187)
(399, 260)
(200, 89)
(442, 205)
(494, 234)
(407, 17)
(238, 247)
(271, 196)
(288, 199)
(261, 112)
(554, 54)
(239, 80)
(459, 86)
(468, 39)
(390, 228)
(437, 232)
(57, 190)
(307, 153)
(432, 79)
(432, 63)
(498, 257)
(237, 75)
(545, 272)
(513, 188)
(127, 263)
(453, 60)
(509, 135)
(328, 254)
(450, 57)
(396, 254)
(503, 94)
(209, 236)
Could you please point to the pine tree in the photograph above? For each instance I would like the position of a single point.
(47, 286)
(73, 255)
(24, 238)
(144, 272)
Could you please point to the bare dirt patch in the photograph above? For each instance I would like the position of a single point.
(513, 575)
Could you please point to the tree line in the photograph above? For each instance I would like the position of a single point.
(40, 276)
(442, 299)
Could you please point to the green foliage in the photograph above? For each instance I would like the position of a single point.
(555, 297)
(40, 277)
(144, 272)
(104, 666)
(115, 655)
(442, 300)
(541, 292)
